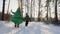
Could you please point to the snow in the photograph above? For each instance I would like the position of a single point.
(32, 28)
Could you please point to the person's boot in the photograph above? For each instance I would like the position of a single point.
(18, 26)
(15, 25)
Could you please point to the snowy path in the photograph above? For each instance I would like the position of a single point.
(33, 28)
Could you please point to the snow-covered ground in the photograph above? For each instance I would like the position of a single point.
(32, 28)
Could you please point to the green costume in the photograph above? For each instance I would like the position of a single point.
(17, 18)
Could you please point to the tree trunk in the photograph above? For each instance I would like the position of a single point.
(21, 6)
(50, 14)
(8, 6)
(31, 8)
(39, 11)
(47, 8)
(56, 16)
(3, 10)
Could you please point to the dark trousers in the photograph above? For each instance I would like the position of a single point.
(26, 24)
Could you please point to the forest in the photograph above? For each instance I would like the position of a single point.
(38, 10)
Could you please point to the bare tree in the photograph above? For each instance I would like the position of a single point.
(8, 6)
(47, 4)
(22, 6)
(49, 11)
(3, 9)
(27, 6)
(39, 11)
(56, 16)
(31, 8)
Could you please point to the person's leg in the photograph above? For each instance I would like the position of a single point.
(26, 24)
(15, 25)
(18, 25)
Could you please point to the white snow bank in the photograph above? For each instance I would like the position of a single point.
(32, 28)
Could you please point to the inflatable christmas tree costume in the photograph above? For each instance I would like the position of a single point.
(17, 18)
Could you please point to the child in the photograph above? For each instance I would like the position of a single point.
(27, 19)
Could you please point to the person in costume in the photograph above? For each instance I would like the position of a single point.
(17, 18)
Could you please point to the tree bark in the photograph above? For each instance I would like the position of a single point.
(8, 6)
(47, 8)
(39, 11)
(31, 8)
(56, 16)
(3, 10)
(21, 6)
